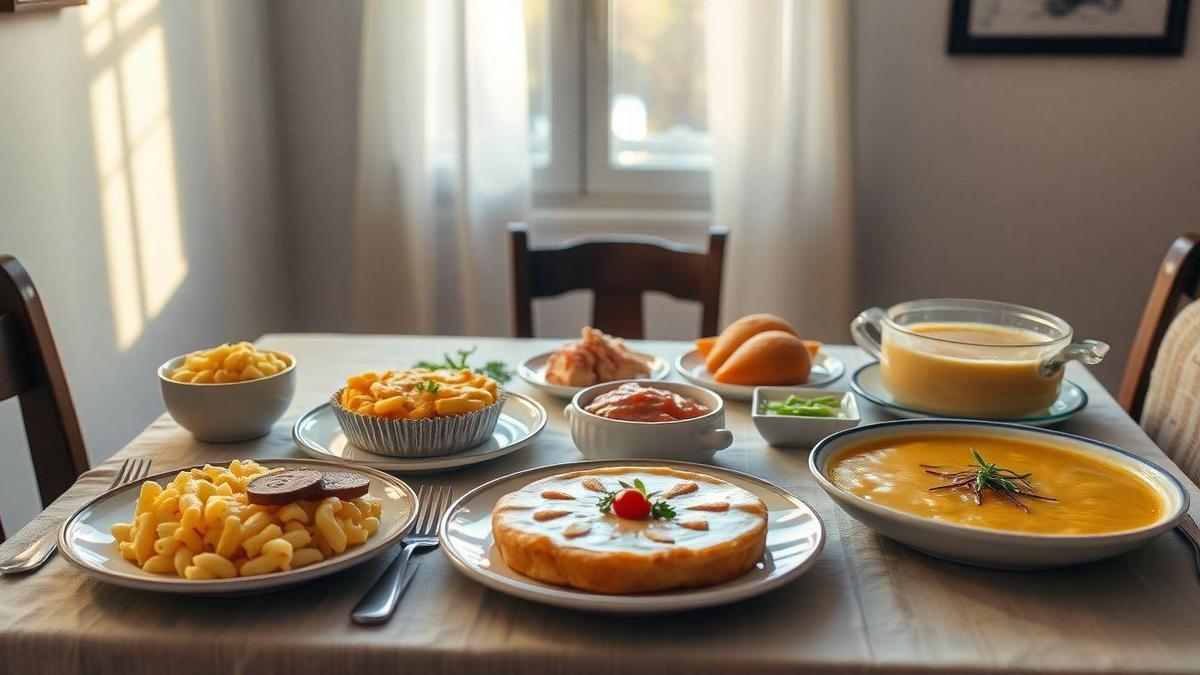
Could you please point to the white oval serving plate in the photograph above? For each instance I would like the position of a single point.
(319, 435)
(85, 539)
(866, 383)
(795, 536)
(826, 368)
(996, 548)
(533, 371)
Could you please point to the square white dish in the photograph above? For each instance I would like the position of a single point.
(801, 432)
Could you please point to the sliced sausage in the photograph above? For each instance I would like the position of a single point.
(344, 485)
(284, 487)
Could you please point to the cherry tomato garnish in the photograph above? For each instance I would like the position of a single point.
(631, 504)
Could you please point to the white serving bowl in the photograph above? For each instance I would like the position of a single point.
(693, 440)
(231, 411)
(996, 548)
(788, 431)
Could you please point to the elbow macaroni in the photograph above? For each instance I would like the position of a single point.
(202, 526)
(229, 363)
(417, 393)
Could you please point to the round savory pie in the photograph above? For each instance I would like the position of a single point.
(564, 530)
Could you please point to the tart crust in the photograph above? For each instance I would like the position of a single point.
(588, 549)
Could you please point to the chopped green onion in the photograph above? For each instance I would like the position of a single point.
(794, 406)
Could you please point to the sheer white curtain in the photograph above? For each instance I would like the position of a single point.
(442, 165)
(779, 112)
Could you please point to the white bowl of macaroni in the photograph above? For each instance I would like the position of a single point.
(418, 412)
(233, 392)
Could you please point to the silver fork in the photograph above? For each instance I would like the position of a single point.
(36, 555)
(1191, 532)
(378, 605)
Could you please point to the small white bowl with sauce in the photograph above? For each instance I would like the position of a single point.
(694, 439)
(801, 431)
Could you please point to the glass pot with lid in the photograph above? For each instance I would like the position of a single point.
(971, 358)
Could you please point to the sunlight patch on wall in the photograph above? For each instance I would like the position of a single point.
(123, 283)
(152, 161)
(135, 157)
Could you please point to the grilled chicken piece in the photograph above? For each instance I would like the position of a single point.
(593, 359)
(572, 366)
(614, 361)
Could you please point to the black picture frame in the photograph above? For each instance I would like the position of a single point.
(1169, 44)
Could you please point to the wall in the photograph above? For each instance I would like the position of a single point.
(1053, 182)
(138, 186)
(316, 54)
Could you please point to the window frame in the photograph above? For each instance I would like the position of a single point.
(579, 173)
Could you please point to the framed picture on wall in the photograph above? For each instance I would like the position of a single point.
(30, 5)
(1068, 27)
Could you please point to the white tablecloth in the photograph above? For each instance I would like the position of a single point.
(869, 604)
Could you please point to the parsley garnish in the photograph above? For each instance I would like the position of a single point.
(493, 369)
(428, 386)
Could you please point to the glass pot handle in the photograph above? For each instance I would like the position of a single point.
(860, 330)
(1090, 352)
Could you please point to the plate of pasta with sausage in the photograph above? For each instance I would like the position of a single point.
(244, 527)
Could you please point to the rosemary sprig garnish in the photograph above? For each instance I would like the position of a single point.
(982, 476)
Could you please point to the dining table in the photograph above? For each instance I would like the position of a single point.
(867, 604)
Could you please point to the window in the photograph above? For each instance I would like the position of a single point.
(617, 107)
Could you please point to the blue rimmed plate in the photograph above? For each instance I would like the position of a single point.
(996, 548)
(866, 383)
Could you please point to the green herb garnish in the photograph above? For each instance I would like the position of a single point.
(428, 386)
(496, 370)
(819, 406)
(981, 476)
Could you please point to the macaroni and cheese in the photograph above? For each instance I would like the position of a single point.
(228, 363)
(202, 526)
(417, 393)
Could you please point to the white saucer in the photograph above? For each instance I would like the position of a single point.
(795, 536)
(826, 369)
(319, 435)
(866, 383)
(533, 371)
(86, 541)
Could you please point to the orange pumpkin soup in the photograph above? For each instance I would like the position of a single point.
(1056, 490)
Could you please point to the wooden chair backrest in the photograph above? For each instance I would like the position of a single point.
(31, 371)
(618, 271)
(1177, 283)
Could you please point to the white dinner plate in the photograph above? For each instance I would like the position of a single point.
(795, 536)
(319, 435)
(533, 371)
(826, 369)
(85, 539)
(866, 383)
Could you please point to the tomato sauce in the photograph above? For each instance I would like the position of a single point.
(632, 402)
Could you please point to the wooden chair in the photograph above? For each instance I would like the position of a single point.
(618, 271)
(1178, 283)
(31, 371)
(1161, 388)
